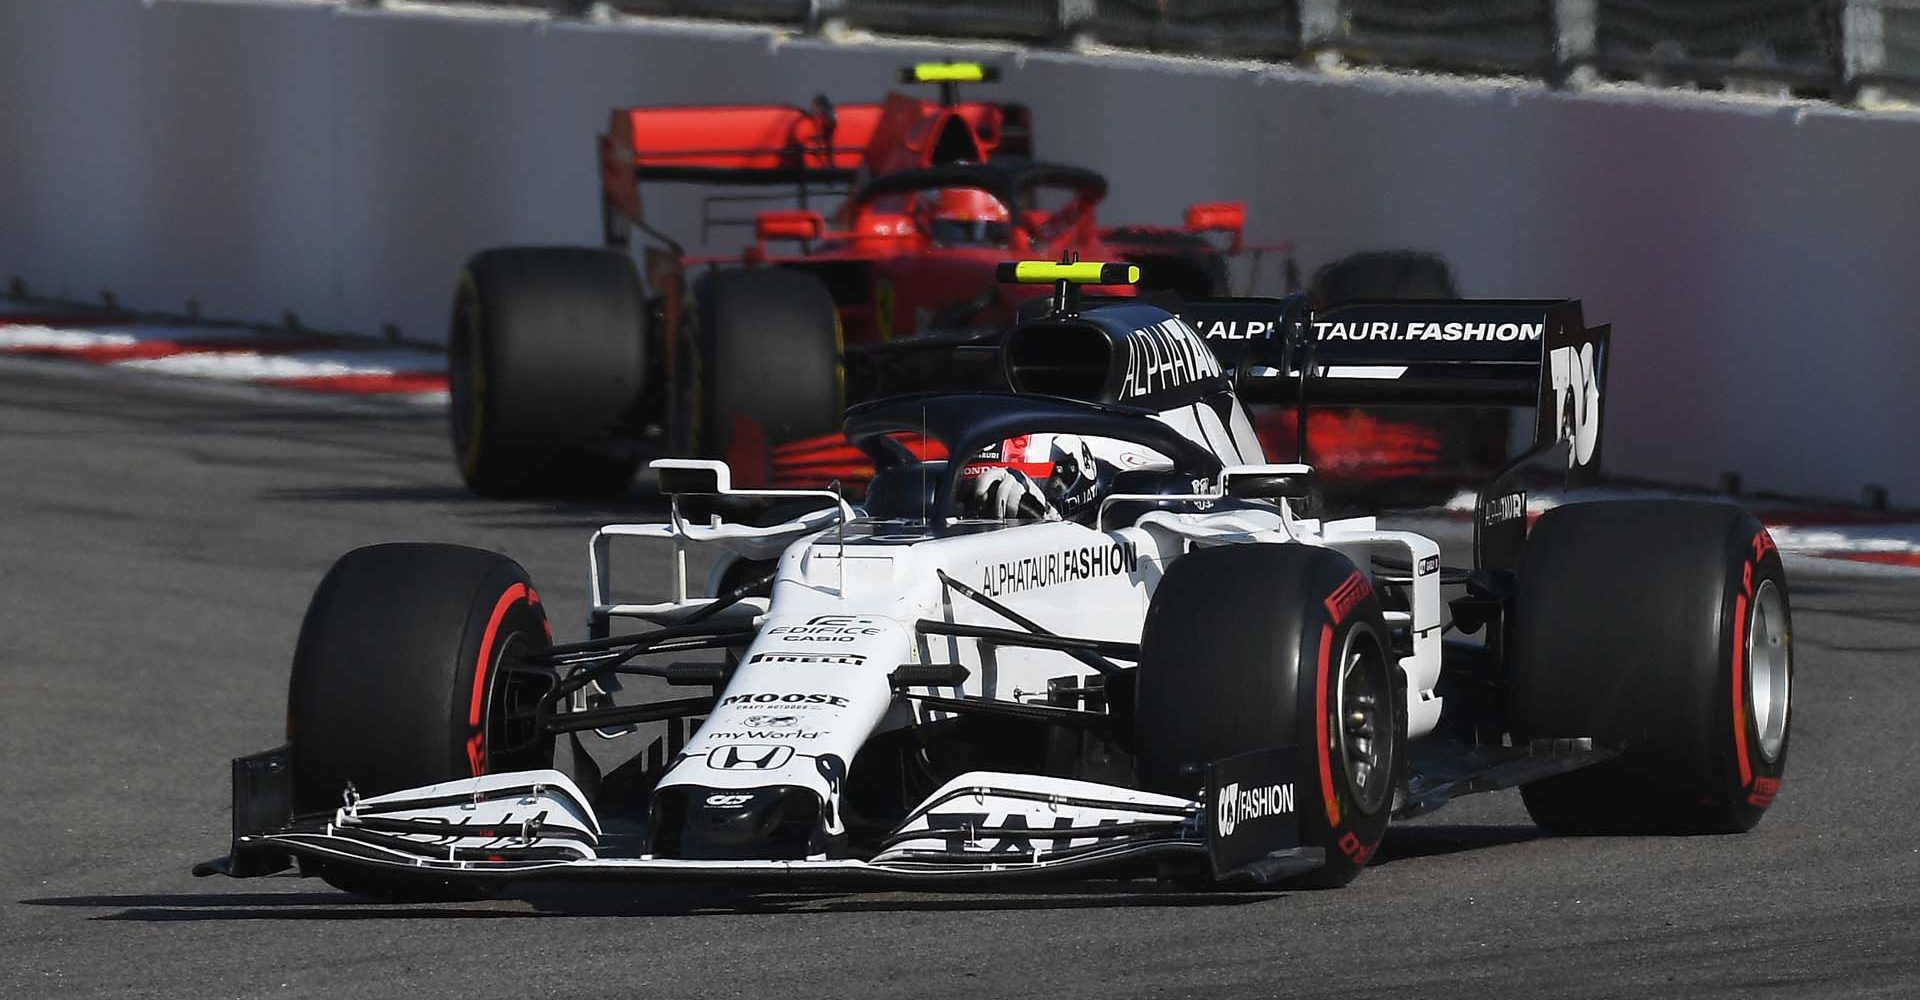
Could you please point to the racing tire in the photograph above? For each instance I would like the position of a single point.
(770, 353)
(1661, 627)
(1473, 440)
(1249, 647)
(1186, 264)
(546, 358)
(400, 679)
(1382, 274)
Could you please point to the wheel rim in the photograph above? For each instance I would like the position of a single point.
(512, 736)
(1364, 724)
(1769, 669)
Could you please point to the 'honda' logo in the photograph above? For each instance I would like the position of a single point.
(747, 757)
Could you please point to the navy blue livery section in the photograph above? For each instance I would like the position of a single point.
(1536, 353)
(1118, 351)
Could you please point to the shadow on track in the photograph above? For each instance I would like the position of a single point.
(1403, 843)
(660, 900)
(397, 493)
(327, 905)
(682, 900)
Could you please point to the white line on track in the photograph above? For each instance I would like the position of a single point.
(249, 366)
(288, 361)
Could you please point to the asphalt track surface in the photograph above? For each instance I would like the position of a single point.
(158, 543)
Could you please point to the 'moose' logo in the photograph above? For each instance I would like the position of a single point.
(1235, 806)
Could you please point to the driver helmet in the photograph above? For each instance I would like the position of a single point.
(965, 217)
(1034, 477)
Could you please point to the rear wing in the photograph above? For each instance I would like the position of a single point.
(1483, 352)
(741, 144)
(821, 144)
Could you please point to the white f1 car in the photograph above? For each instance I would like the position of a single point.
(1081, 627)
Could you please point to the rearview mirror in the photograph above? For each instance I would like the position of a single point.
(1268, 482)
(692, 476)
(1228, 217)
(789, 224)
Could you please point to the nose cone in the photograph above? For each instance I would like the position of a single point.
(779, 823)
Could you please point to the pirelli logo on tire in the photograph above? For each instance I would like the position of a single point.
(1351, 591)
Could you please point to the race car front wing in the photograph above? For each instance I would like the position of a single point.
(981, 826)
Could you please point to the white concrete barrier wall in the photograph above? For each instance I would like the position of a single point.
(1759, 263)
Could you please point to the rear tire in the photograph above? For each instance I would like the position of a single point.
(1663, 627)
(1186, 264)
(1248, 647)
(1382, 274)
(546, 358)
(398, 681)
(770, 351)
(1473, 440)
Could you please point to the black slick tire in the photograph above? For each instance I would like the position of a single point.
(403, 676)
(1382, 274)
(546, 358)
(1473, 440)
(1661, 627)
(1186, 264)
(770, 354)
(1249, 647)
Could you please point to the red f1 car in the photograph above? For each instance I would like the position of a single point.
(568, 370)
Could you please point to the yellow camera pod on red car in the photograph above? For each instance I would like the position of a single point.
(949, 72)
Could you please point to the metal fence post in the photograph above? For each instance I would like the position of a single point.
(1864, 40)
(1073, 18)
(1320, 32)
(1574, 42)
(827, 17)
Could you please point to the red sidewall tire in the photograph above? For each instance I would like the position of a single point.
(1242, 650)
(1632, 629)
(397, 677)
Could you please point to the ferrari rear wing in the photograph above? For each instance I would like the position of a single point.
(821, 144)
(741, 144)
(1479, 352)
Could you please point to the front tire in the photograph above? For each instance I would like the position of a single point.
(1661, 627)
(405, 675)
(1248, 647)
